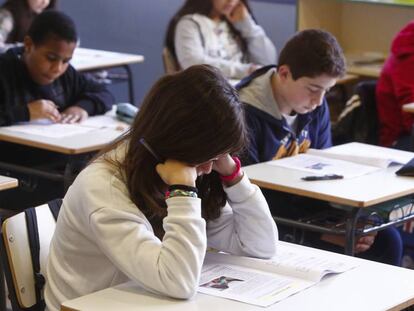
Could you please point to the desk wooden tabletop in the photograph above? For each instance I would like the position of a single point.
(93, 140)
(90, 59)
(361, 191)
(7, 183)
(369, 70)
(371, 286)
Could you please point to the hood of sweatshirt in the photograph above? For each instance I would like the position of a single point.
(259, 94)
(403, 42)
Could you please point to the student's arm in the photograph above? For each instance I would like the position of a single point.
(245, 226)
(170, 267)
(255, 134)
(6, 25)
(10, 111)
(87, 94)
(260, 49)
(403, 84)
(324, 139)
(190, 51)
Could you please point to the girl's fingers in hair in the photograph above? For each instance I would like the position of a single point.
(224, 165)
(174, 172)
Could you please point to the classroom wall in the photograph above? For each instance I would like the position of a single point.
(138, 26)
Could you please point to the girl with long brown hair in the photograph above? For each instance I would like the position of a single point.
(149, 206)
(16, 16)
(222, 33)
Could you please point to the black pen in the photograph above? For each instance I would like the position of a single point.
(322, 177)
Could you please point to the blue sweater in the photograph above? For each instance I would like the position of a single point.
(272, 138)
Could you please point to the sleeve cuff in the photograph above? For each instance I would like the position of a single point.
(245, 26)
(241, 191)
(20, 113)
(88, 105)
(184, 206)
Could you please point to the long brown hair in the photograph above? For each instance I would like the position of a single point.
(203, 7)
(23, 16)
(191, 116)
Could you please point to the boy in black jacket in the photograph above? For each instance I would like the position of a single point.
(37, 81)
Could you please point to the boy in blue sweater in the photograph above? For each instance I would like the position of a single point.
(287, 114)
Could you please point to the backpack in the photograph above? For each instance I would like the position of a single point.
(358, 121)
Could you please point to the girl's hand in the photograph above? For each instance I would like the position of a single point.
(225, 166)
(174, 172)
(239, 13)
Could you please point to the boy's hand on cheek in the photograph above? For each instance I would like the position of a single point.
(43, 109)
(74, 114)
(174, 172)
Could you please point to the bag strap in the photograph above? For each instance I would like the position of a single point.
(54, 207)
(34, 243)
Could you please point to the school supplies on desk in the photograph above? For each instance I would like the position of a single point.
(264, 282)
(322, 177)
(126, 112)
(348, 160)
(407, 169)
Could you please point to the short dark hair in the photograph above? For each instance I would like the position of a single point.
(311, 53)
(52, 23)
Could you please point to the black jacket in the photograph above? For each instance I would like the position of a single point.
(17, 89)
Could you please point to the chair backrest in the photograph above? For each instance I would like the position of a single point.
(358, 121)
(17, 255)
(170, 63)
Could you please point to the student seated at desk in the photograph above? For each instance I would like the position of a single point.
(287, 113)
(37, 81)
(149, 206)
(222, 33)
(16, 17)
(395, 88)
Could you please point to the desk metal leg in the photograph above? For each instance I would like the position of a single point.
(130, 84)
(351, 226)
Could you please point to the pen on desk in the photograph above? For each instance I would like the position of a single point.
(322, 177)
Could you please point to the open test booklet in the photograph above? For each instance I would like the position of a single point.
(264, 282)
(349, 160)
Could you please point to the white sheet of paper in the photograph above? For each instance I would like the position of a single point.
(52, 130)
(367, 154)
(324, 166)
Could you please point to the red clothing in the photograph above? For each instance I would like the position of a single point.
(396, 87)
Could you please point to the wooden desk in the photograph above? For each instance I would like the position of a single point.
(90, 60)
(371, 70)
(355, 193)
(7, 183)
(371, 286)
(73, 146)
